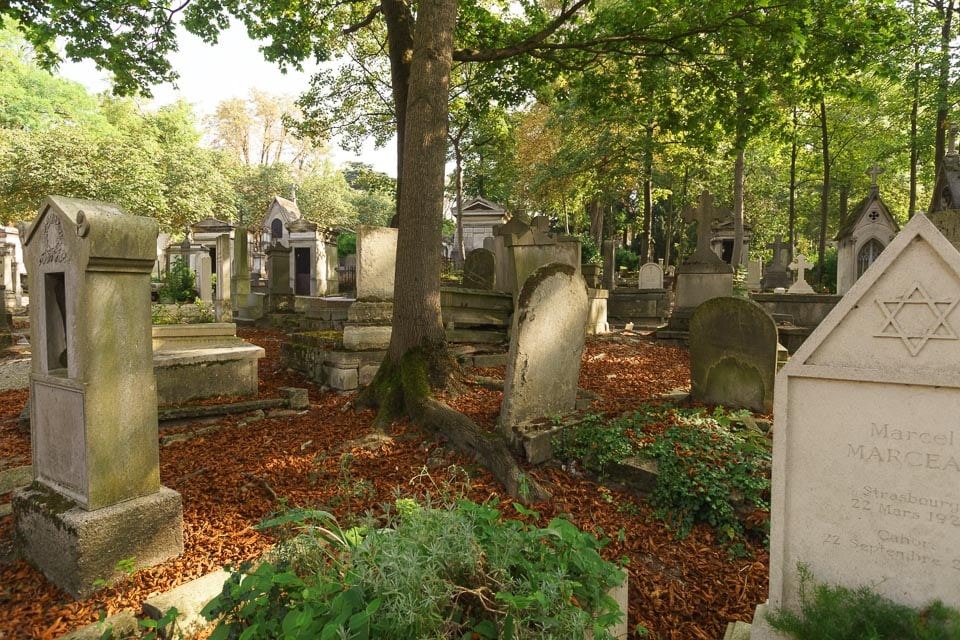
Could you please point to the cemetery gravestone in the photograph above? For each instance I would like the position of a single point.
(866, 446)
(733, 354)
(703, 275)
(776, 274)
(279, 291)
(204, 284)
(800, 265)
(480, 270)
(369, 319)
(224, 304)
(650, 276)
(240, 284)
(546, 344)
(96, 499)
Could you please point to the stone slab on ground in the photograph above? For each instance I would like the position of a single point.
(189, 600)
(737, 631)
(15, 478)
(123, 624)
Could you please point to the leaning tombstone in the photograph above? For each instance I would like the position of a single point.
(733, 354)
(96, 498)
(546, 345)
(480, 270)
(866, 452)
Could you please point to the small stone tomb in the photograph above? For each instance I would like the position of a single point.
(733, 354)
(546, 343)
(776, 274)
(96, 499)
(650, 276)
(866, 459)
(480, 270)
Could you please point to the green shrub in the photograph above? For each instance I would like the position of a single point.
(179, 283)
(589, 252)
(627, 258)
(346, 244)
(840, 613)
(432, 572)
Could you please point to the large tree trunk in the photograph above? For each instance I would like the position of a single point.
(825, 192)
(914, 151)
(458, 156)
(738, 179)
(792, 208)
(399, 20)
(646, 240)
(417, 359)
(943, 82)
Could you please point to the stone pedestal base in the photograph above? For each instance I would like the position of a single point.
(280, 302)
(697, 283)
(759, 629)
(366, 337)
(75, 548)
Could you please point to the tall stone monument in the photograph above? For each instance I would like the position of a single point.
(96, 498)
(776, 274)
(703, 275)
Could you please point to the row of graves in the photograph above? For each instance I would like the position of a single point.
(95, 387)
(864, 444)
(349, 336)
(865, 449)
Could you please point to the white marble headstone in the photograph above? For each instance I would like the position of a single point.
(866, 465)
(650, 276)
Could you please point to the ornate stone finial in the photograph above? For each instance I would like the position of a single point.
(186, 239)
(704, 214)
(873, 172)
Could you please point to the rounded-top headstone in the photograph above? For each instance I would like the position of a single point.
(733, 354)
(479, 270)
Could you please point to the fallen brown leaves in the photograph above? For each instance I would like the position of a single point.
(229, 478)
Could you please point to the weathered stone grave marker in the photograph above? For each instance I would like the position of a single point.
(866, 461)
(776, 274)
(480, 270)
(703, 275)
(650, 276)
(96, 499)
(733, 354)
(369, 319)
(546, 344)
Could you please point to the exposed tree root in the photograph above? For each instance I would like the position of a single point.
(405, 388)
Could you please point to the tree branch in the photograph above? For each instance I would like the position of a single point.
(363, 23)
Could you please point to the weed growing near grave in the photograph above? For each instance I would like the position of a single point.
(840, 613)
(458, 570)
(709, 470)
(178, 283)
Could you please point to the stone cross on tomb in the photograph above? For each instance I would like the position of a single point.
(778, 247)
(704, 214)
(873, 172)
(800, 265)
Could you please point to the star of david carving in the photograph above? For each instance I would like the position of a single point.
(916, 318)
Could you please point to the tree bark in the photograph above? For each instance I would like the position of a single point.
(825, 192)
(914, 152)
(399, 20)
(943, 83)
(417, 359)
(738, 179)
(792, 207)
(458, 158)
(646, 241)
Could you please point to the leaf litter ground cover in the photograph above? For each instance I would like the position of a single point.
(232, 478)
